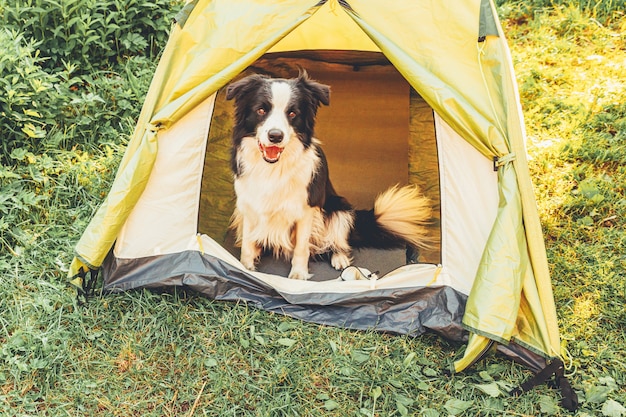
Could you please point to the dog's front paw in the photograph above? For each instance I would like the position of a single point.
(248, 262)
(340, 261)
(298, 273)
(248, 265)
(250, 254)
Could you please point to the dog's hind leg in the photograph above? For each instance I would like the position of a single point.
(302, 249)
(338, 226)
(340, 260)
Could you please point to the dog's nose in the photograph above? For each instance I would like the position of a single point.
(275, 135)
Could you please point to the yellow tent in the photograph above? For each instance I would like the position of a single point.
(422, 92)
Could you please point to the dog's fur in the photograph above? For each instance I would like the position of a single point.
(285, 200)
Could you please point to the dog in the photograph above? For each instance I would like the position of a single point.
(285, 201)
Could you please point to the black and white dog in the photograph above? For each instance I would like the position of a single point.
(285, 200)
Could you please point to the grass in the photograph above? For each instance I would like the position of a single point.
(176, 354)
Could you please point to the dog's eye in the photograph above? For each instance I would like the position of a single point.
(291, 114)
(261, 111)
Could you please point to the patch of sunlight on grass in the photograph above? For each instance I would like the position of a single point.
(585, 307)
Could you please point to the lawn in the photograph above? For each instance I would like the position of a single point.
(178, 354)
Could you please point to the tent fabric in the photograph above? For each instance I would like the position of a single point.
(471, 89)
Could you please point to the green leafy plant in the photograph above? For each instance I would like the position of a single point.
(30, 97)
(92, 34)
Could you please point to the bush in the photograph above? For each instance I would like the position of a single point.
(30, 98)
(104, 105)
(43, 109)
(74, 73)
(91, 34)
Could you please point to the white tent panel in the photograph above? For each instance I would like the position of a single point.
(469, 204)
(165, 217)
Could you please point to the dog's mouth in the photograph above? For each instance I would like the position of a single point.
(270, 154)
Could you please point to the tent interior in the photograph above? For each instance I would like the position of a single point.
(377, 132)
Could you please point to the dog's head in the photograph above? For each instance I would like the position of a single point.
(276, 111)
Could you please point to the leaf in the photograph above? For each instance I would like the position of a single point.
(322, 396)
(588, 189)
(429, 412)
(613, 409)
(330, 405)
(285, 341)
(210, 363)
(396, 383)
(484, 375)
(493, 390)
(39, 364)
(33, 113)
(19, 153)
(547, 405)
(409, 358)
(33, 131)
(244, 343)
(504, 386)
(404, 400)
(423, 386)
(597, 394)
(430, 372)
(333, 346)
(456, 407)
(9, 174)
(597, 199)
(285, 326)
(402, 404)
(376, 392)
(359, 356)
(402, 409)
(608, 381)
(345, 371)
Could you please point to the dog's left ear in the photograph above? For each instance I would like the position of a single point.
(320, 92)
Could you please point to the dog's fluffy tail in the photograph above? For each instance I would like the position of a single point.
(400, 216)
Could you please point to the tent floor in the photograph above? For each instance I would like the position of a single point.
(379, 261)
(375, 260)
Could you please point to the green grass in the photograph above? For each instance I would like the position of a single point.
(176, 354)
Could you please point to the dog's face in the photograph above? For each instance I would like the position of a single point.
(276, 111)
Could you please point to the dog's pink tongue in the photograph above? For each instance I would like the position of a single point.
(272, 152)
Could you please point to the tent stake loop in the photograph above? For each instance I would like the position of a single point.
(499, 161)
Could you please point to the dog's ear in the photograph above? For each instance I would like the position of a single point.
(320, 92)
(244, 86)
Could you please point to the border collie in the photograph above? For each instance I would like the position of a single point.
(285, 200)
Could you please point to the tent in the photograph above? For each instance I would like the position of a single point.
(422, 92)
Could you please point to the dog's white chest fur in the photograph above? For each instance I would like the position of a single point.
(273, 197)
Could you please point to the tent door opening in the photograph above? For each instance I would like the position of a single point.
(376, 132)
